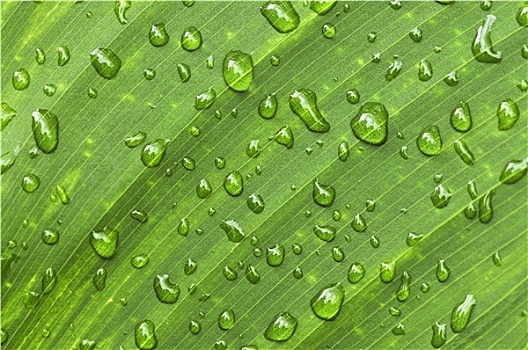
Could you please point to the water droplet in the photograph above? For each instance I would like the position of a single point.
(451, 79)
(336, 215)
(205, 99)
(140, 261)
(50, 236)
(326, 304)
(209, 62)
(49, 280)
(158, 35)
(220, 345)
(416, 35)
(342, 151)
(145, 335)
(284, 137)
(523, 85)
(461, 314)
(255, 203)
(440, 196)
(374, 242)
(359, 224)
(226, 319)
(281, 328)
(323, 195)
(376, 57)
(522, 15)
(253, 149)
(190, 267)
(399, 329)
(514, 171)
(387, 271)
(296, 248)
(7, 113)
(281, 15)
(45, 130)
(149, 74)
(233, 230)
(203, 189)
(120, 9)
(252, 274)
(322, 7)
(49, 89)
(275, 255)
(403, 290)
(40, 56)
(485, 208)
(99, 279)
(268, 107)
(413, 239)
(191, 39)
(104, 243)
(371, 123)
(183, 227)
(472, 189)
(92, 93)
(470, 212)
(87, 344)
(355, 272)
(496, 259)
(338, 254)
(442, 271)
(325, 233)
(234, 184)
(188, 163)
(184, 72)
(394, 311)
(395, 4)
(371, 37)
(30, 183)
(482, 47)
(229, 273)
(257, 252)
(166, 292)
(394, 70)
(508, 114)
(439, 335)
(139, 215)
(238, 70)
(485, 5)
(403, 153)
(328, 30)
(106, 63)
(274, 60)
(303, 103)
(425, 70)
(220, 163)
(135, 140)
(524, 51)
(63, 55)
(62, 194)
(153, 153)
(461, 117)
(463, 152)
(352, 96)
(429, 141)
(21, 79)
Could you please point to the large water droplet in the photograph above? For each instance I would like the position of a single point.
(522, 15)
(338, 254)
(355, 272)
(49, 280)
(485, 207)
(358, 223)
(191, 39)
(233, 230)
(203, 189)
(238, 70)
(323, 195)
(205, 99)
(226, 319)
(106, 63)
(425, 70)
(461, 314)
(50, 236)
(30, 183)
(325, 232)
(49, 89)
(387, 271)
(281, 15)
(166, 292)
(45, 130)
(252, 275)
(442, 271)
(268, 106)
(63, 55)
(482, 47)
(145, 335)
(322, 7)
(285, 137)
(153, 153)
(514, 171)
(416, 35)
(120, 8)
(461, 117)
(371, 123)
(104, 243)
(429, 141)
(184, 72)
(255, 203)
(404, 291)
(281, 328)
(158, 35)
(326, 304)
(21, 79)
(303, 103)
(229, 273)
(99, 279)
(275, 255)
(508, 114)
(234, 184)
(439, 335)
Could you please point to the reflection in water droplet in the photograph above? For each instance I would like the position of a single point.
(303, 103)
(45, 130)
(425, 70)
(325, 233)
(166, 292)
(21, 79)
(238, 70)
(30, 183)
(514, 171)
(323, 195)
(439, 335)
(463, 152)
(153, 153)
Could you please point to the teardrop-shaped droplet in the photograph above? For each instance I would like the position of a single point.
(440, 196)
(470, 212)
(429, 141)
(284, 137)
(461, 117)
(145, 335)
(184, 72)
(226, 319)
(188, 163)
(275, 255)
(229, 273)
(394, 70)
(205, 99)
(281, 15)
(522, 15)
(327, 303)
(387, 271)
(203, 189)
(463, 152)
(166, 292)
(281, 328)
(64, 198)
(514, 171)
(253, 149)
(50, 236)
(355, 272)
(135, 140)
(303, 103)
(45, 130)
(120, 9)
(234, 184)
(496, 258)
(252, 275)
(374, 242)
(338, 254)
(238, 70)
(424, 287)
(30, 183)
(416, 35)
(49, 89)
(104, 243)
(99, 279)
(342, 151)
(323, 195)
(191, 39)
(485, 207)
(461, 314)
(255, 203)
(325, 232)
(268, 107)
(21, 79)
(92, 93)
(451, 79)
(40, 56)
(439, 335)
(352, 96)
(190, 267)
(328, 30)
(404, 291)
(140, 261)
(371, 123)
(442, 271)
(233, 230)
(413, 239)
(106, 63)
(472, 189)
(274, 60)
(49, 280)
(425, 70)
(63, 55)
(482, 47)
(183, 227)
(298, 273)
(296, 249)
(158, 35)
(358, 223)
(508, 114)
(153, 153)
(7, 113)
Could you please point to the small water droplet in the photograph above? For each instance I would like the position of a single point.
(203, 189)
(238, 70)
(120, 9)
(252, 275)
(399, 329)
(190, 267)
(439, 335)
(63, 55)
(355, 273)
(255, 203)
(220, 162)
(508, 114)
(461, 117)
(145, 335)
(50, 236)
(229, 273)
(153, 153)
(416, 35)
(328, 30)
(371, 37)
(387, 271)
(158, 35)
(99, 279)
(463, 152)
(49, 280)
(376, 57)
(324, 232)
(268, 107)
(281, 15)
(149, 74)
(205, 99)
(323, 195)
(234, 184)
(461, 314)
(281, 328)
(140, 261)
(106, 63)
(303, 103)
(338, 254)
(403, 153)
(87, 344)
(374, 242)
(403, 290)
(394, 70)
(371, 123)
(485, 207)
(253, 149)
(327, 303)
(485, 5)
(284, 137)
(395, 4)
(188, 163)
(40, 56)
(30, 183)
(21, 79)
(226, 319)
(514, 171)
(166, 292)
(275, 255)
(45, 130)
(139, 215)
(233, 230)
(135, 140)
(104, 242)
(191, 39)
(497, 260)
(49, 89)
(425, 70)
(296, 248)
(442, 271)
(274, 60)
(184, 72)
(183, 227)
(429, 141)
(394, 311)
(358, 223)
(92, 93)
(451, 79)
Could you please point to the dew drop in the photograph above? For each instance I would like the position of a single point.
(253, 149)
(229, 273)
(358, 223)
(352, 96)
(327, 303)
(40, 56)
(166, 292)
(158, 35)
(429, 141)
(106, 63)
(403, 290)
(149, 74)
(238, 70)
(226, 319)
(140, 261)
(425, 70)
(451, 79)
(439, 335)
(153, 153)
(482, 47)
(50, 236)
(145, 335)
(252, 275)
(188, 163)
(284, 137)
(255, 203)
(30, 183)
(387, 271)
(371, 37)
(461, 314)
(371, 123)
(442, 271)
(328, 30)
(268, 107)
(49, 280)
(104, 243)
(394, 70)
(139, 215)
(461, 117)
(274, 60)
(21, 79)
(120, 9)
(322, 7)
(485, 5)
(485, 208)
(463, 152)
(281, 328)
(508, 114)
(205, 99)
(203, 189)
(233, 230)
(234, 184)
(324, 232)
(338, 254)
(496, 258)
(296, 249)
(49, 89)
(63, 55)
(281, 15)
(191, 39)
(399, 329)
(190, 267)
(303, 103)
(514, 171)
(183, 227)
(184, 72)
(99, 279)
(323, 195)
(45, 130)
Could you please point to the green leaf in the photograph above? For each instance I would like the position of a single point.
(135, 152)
